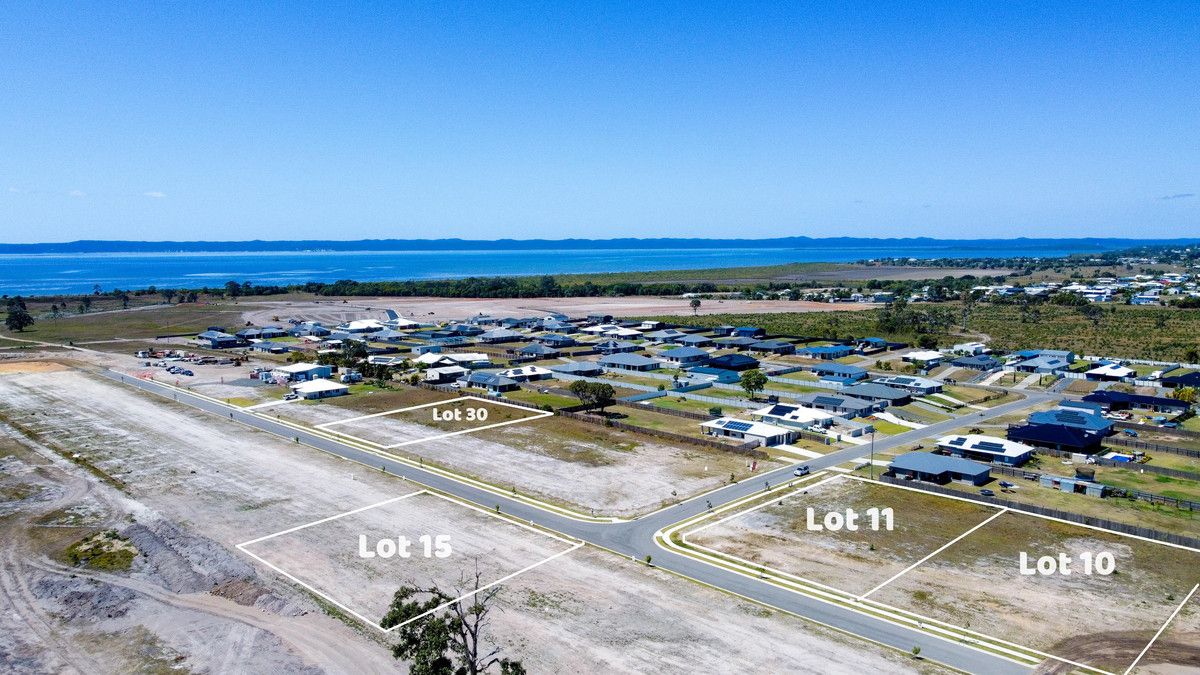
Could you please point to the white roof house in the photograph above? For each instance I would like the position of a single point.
(765, 434)
(525, 373)
(450, 358)
(923, 356)
(362, 326)
(1111, 370)
(320, 389)
(793, 415)
(985, 448)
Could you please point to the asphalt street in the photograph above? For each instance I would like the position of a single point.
(635, 538)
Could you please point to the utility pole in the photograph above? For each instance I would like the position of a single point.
(872, 454)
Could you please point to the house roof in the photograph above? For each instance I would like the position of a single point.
(488, 379)
(833, 401)
(984, 360)
(1046, 361)
(987, 444)
(499, 333)
(1071, 418)
(924, 355)
(1185, 380)
(576, 367)
(771, 344)
(694, 339)
(293, 368)
(739, 341)
(684, 353)
(1111, 370)
(316, 386)
(537, 349)
(1111, 397)
(879, 391)
(625, 359)
(837, 369)
(1056, 434)
(929, 463)
(733, 360)
(524, 371)
(824, 349)
(908, 381)
(746, 427)
(793, 413)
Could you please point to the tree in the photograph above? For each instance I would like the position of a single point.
(1092, 313)
(18, 318)
(449, 642)
(695, 305)
(1185, 394)
(168, 294)
(233, 289)
(753, 381)
(593, 394)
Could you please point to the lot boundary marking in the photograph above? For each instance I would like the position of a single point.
(574, 545)
(896, 615)
(534, 415)
(943, 547)
(1162, 629)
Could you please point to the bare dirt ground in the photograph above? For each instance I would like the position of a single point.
(327, 555)
(589, 467)
(184, 487)
(334, 311)
(977, 583)
(777, 536)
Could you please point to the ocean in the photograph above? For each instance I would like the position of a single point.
(54, 273)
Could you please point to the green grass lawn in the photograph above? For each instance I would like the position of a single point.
(539, 399)
(888, 428)
(135, 323)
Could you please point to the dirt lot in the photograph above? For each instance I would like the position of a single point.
(776, 536)
(334, 311)
(184, 487)
(587, 466)
(977, 583)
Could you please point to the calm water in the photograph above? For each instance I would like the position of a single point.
(77, 273)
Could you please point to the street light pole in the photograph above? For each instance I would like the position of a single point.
(872, 454)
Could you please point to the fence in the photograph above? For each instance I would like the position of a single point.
(1182, 433)
(686, 414)
(1053, 513)
(1112, 463)
(1155, 447)
(748, 449)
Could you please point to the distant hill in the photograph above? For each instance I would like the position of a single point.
(870, 246)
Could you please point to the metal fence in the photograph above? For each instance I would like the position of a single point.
(1154, 447)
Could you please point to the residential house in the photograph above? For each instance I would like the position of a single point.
(986, 449)
(581, 368)
(537, 351)
(922, 386)
(527, 374)
(736, 362)
(315, 389)
(633, 362)
(796, 416)
(879, 392)
(499, 335)
(839, 372)
(759, 432)
(686, 356)
(493, 383)
(444, 374)
(301, 372)
(617, 347)
(827, 352)
(843, 406)
(1119, 400)
(939, 469)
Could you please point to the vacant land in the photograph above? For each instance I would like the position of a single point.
(570, 462)
(328, 555)
(977, 583)
(777, 535)
(201, 483)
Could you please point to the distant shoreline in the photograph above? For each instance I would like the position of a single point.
(869, 245)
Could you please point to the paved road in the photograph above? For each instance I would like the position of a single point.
(635, 538)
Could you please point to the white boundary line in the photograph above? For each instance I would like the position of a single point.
(943, 548)
(1019, 512)
(1160, 630)
(575, 545)
(385, 413)
(765, 504)
(534, 415)
(716, 557)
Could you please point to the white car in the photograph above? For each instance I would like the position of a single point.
(801, 471)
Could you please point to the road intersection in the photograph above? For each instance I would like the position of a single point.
(636, 538)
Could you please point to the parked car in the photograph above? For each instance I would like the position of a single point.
(1129, 432)
(987, 493)
(802, 471)
(291, 397)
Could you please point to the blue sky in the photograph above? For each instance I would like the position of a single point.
(288, 121)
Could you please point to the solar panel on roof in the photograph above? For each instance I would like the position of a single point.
(738, 426)
(989, 445)
(827, 400)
